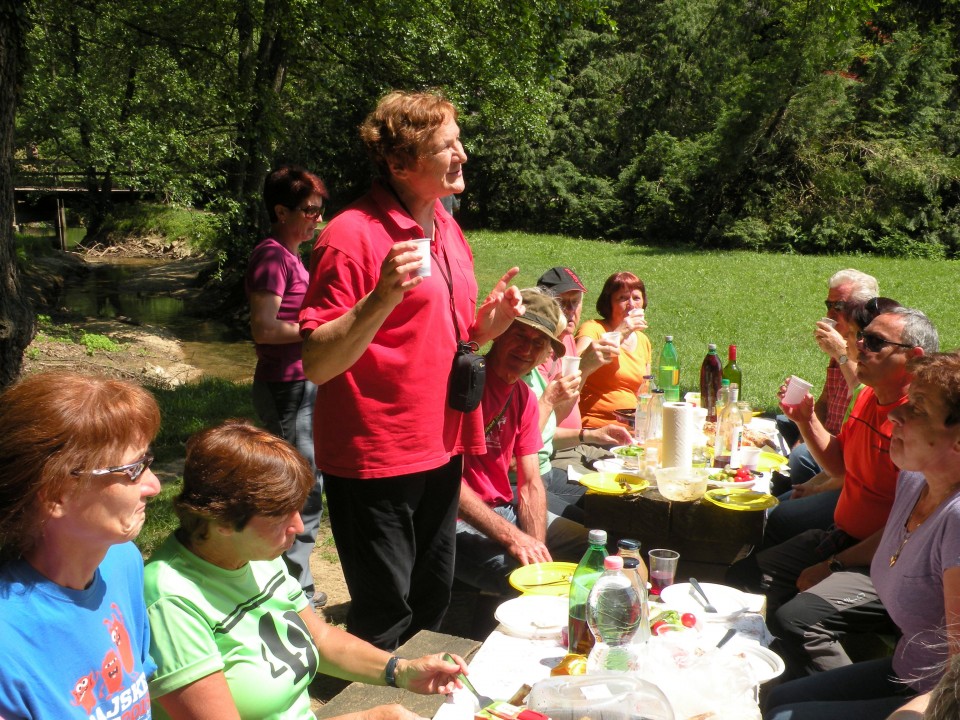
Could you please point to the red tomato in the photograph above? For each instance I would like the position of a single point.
(688, 619)
(659, 627)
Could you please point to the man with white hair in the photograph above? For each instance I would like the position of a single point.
(843, 287)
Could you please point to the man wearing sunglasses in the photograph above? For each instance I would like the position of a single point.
(844, 287)
(858, 456)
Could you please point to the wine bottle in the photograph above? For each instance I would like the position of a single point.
(731, 370)
(711, 375)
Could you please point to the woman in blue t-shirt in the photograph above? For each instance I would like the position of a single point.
(74, 481)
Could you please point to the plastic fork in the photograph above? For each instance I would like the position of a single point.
(706, 601)
(482, 699)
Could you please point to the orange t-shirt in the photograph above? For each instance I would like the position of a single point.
(613, 386)
(870, 480)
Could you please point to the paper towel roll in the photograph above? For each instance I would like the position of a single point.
(677, 435)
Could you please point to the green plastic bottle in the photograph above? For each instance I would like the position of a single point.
(668, 371)
(580, 639)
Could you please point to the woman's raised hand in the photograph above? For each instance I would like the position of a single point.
(502, 305)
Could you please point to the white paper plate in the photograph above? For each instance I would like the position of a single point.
(765, 664)
(534, 615)
(728, 601)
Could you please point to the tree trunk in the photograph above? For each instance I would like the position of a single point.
(16, 314)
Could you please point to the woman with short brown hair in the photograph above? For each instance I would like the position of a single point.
(74, 480)
(233, 633)
(379, 342)
(621, 305)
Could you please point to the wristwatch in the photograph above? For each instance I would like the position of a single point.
(836, 565)
(390, 672)
(842, 360)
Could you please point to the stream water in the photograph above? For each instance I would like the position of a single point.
(110, 291)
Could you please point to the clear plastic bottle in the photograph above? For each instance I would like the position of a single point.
(723, 396)
(729, 433)
(640, 418)
(580, 639)
(655, 417)
(668, 370)
(613, 613)
(631, 568)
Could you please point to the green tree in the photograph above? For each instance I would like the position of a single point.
(16, 315)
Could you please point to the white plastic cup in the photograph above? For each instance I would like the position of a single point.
(613, 337)
(829, 321)
(423, 247)
(569, 364)
(749, 457)
(797, 389)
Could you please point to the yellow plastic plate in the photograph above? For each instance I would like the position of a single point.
(552, 578)
(770, 461)
(608, 483)
(740, 499)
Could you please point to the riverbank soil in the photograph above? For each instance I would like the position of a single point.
(155, 358)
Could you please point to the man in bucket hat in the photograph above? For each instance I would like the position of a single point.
(498, 529)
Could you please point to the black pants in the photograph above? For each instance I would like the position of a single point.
(396, 541)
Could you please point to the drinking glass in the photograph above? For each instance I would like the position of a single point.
(663, 569)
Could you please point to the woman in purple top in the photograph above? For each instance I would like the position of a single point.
(275, 284)
(915, 568)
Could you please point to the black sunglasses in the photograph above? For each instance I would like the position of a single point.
(874, 343)
(312, 211)
(837, 305)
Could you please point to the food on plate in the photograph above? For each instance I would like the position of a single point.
(751, 438)
(669, 620)
(628, 451)
(729, 474)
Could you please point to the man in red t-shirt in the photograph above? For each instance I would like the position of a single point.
(498, 531)
(859, 454)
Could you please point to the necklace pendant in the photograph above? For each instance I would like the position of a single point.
(893, 559)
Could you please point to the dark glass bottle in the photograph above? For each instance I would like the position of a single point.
(711, 375)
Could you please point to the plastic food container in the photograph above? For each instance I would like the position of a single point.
(682, 484)
(603, 696)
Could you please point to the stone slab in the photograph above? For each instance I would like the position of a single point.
(358, 696)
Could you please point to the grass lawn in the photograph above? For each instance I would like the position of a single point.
(764, 304)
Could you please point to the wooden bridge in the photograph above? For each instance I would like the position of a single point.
(48, 185)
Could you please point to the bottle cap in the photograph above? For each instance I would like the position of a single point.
(597, 537)
(725, 381)
(613, 562)
(711, 346)
(628, 544)
(631, 563)
(668, 338)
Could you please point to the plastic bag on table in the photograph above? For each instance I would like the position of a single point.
(700, 682)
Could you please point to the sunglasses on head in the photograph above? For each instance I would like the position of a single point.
(874, 343)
